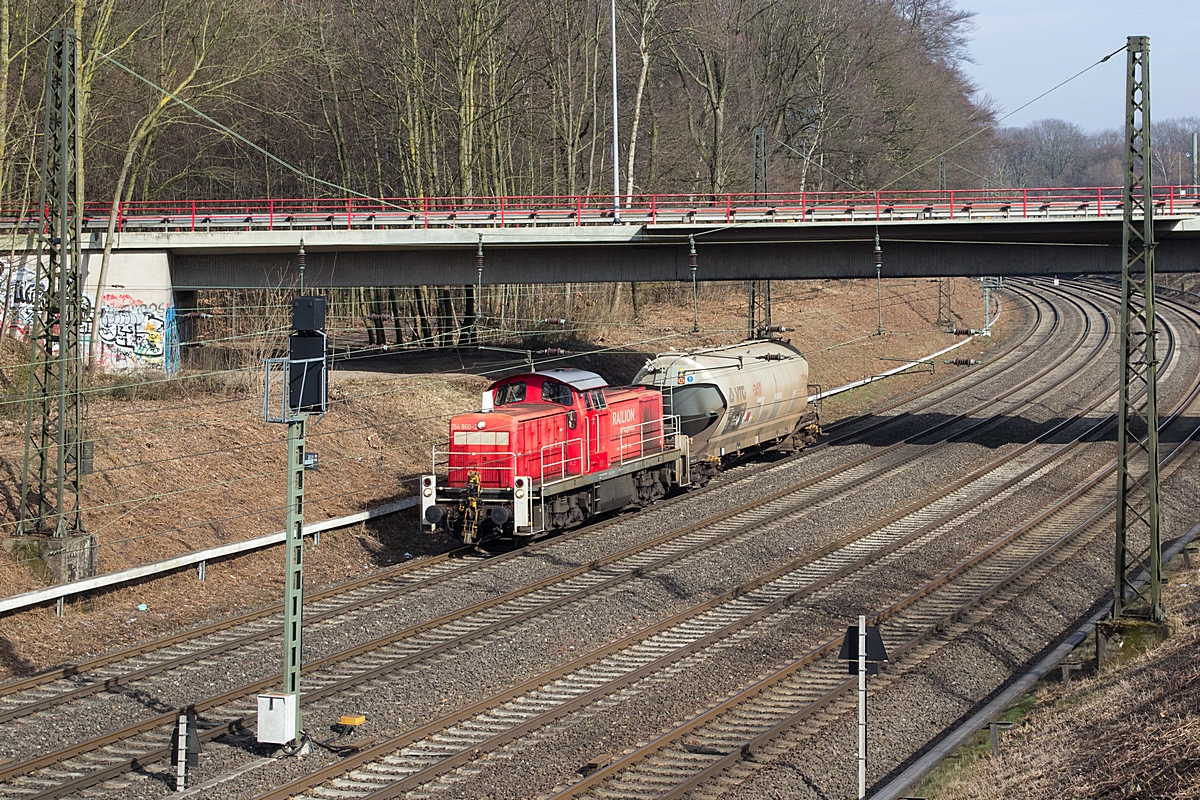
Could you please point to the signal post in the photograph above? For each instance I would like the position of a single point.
(304, 374)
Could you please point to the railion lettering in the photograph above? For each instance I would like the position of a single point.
(623, 416)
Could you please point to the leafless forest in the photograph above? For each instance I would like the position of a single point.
(410, 98)
(488, 97)
(482, 97)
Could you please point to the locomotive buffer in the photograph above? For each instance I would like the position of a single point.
(301, 390)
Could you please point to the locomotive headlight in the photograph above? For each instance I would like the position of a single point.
(428, 492)
(520, 493)
(481, 424)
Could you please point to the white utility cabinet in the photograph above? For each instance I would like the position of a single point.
(277, 718)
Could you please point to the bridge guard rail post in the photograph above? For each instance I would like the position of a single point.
(349, 213)
(425, 207)
(578, 210)
(653, 209)
(877, 205)
(1024, 204)
(193, 216)
(501, 224)
(728, 208)
(951, 204)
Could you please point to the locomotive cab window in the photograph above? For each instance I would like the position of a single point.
(509, 393)
(595, 400)
(554, 392)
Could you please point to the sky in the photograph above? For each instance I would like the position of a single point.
(1021, 48)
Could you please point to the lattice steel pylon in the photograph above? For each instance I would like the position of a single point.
(758, 312)
(945, 314)
(54, 406)
(1138, 538)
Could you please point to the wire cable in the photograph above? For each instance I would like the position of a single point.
(986, 128)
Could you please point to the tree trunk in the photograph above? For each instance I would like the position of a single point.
(421, 314)
(378, 312)
(362, 311)
(644, 52)
(446, 317)
(394, 310)
(470, 335)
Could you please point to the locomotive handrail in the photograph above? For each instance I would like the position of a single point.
(478, 461)
(659, 437)
(565, 462)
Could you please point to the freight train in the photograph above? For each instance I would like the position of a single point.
(551, 449)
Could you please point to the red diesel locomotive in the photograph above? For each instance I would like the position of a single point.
(549, 450)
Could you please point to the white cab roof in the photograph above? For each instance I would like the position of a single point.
(579, 379)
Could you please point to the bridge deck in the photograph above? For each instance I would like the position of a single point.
(806, 235)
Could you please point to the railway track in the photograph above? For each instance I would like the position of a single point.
(221, 722)
(74, 681)
(748, 725)
(104, 673)
(750, 720)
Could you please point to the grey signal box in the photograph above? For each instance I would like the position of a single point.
(308, 313)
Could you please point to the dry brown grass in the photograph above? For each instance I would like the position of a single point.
(1132, 731)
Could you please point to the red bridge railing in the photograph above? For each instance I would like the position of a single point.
(645, 209)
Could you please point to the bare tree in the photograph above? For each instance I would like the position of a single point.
(650, 34)
(184, 65)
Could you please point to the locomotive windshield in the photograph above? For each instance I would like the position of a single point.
(698, 406)
(509, 393)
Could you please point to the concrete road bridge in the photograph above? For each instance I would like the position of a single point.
(204, 244)
(164, 252)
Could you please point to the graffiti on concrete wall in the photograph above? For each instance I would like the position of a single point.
(132, 332)
(17, 282)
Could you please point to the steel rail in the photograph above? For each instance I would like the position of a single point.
(747, 748)
(1092, 527)
(218, 732)
(424, 776)
(445, 764)
(412, 781)
(77, 670)
(27, 767)
(872, 426)
(102, 684)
